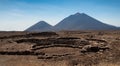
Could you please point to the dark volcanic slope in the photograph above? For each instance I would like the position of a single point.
(78, 21)
(40, 26)
(81, 21)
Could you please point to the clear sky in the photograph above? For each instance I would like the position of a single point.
(21, 14)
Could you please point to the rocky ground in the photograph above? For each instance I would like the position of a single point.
(64, 48)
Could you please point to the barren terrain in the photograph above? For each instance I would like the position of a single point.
(63, 48)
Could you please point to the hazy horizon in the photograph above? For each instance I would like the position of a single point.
(18, 15)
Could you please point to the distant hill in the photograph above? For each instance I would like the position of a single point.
(81, 21)
(78, 21)
(40, 26)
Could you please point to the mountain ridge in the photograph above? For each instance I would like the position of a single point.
(77, 21)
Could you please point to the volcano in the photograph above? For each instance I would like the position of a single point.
(81, 21)
(78, 21)
(40, 26)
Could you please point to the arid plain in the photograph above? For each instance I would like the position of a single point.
(63, 48)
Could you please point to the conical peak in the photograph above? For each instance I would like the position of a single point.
(42, 22)
(77, 13)
(83, 13)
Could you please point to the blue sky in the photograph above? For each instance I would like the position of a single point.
(20, 14)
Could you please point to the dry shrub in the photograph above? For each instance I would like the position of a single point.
(115, 46)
